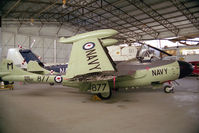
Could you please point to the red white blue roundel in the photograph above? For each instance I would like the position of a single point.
(58, 79)
(88, 45)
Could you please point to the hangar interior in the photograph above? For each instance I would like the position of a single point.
(38, 25)
(45, 21)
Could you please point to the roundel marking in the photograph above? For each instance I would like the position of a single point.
(58, 79)
(88, 45)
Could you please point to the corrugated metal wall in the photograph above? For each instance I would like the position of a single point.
(45, 41)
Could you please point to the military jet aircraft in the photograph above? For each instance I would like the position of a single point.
(23, 57)
(90, 68)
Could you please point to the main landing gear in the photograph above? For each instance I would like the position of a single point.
(101, 89)
(105, 96)
(6, 85)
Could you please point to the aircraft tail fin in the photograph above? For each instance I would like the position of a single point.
(7, 66)
(89, 56)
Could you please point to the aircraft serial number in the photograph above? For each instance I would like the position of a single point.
(98, 87)
(42, 78)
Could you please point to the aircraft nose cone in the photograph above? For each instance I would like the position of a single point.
(185, 69)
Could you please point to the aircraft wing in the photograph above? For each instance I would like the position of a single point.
(88, 55)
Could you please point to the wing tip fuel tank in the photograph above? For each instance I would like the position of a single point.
(109, 42)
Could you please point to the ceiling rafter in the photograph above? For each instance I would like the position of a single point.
(49, 13)
(107, 22)
(169, 18)
(43, 9)
(128, 32)
(180, 5)
(141, 5)
(14, 6)
(92, 26)
(76, 8)
(129, 19)
(61, 14)
(123, 16)
(132, 18)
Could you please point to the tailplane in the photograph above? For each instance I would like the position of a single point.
(34, 67)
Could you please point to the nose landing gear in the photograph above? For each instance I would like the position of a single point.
(169, 88)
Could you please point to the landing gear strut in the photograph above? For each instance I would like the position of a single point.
(101, 89)
(170, 87)
(6, 85)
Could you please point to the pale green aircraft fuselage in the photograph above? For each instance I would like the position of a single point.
(148, 76)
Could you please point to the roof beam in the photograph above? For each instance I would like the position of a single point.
(95, 25)
(73, 9)
(141, 5)
(122, 15)
(45, 2)
(80, 13)
(45, 9)
(122, 29)
(119, 13)
(186, 12)
(15, 5)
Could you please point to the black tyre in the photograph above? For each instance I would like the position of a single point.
(105, 96)
(8, 84)
(51, 84)
(168, 89)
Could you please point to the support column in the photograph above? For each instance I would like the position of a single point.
(55, 51)
(29, 38)
(0, 40)
(14, 35)
(43, 49)
(160, 46)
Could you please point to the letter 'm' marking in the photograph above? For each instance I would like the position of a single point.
(8, 66)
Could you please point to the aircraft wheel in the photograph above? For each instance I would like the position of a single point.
(152, 59)
(8, 84)
(51, 84)
(105, 96)
(11, 83)
(168, 89)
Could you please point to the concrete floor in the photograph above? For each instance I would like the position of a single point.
(56, 109)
